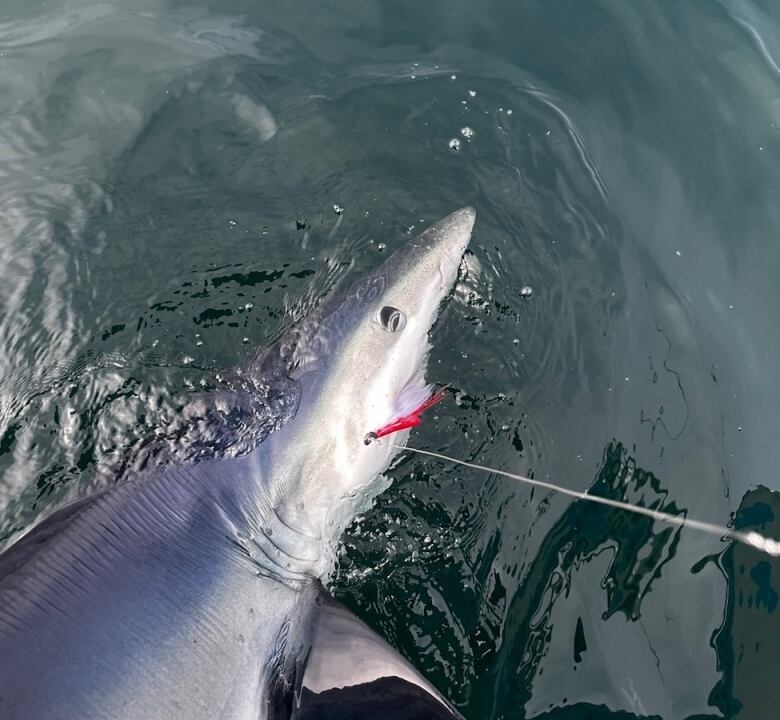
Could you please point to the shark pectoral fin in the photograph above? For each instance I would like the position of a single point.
(351, 673)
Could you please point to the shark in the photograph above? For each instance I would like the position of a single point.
(196, 589)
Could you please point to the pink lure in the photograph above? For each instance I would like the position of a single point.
(413, 418)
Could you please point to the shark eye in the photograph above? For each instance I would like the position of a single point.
(392, 319)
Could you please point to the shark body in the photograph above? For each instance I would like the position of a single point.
(194, 591)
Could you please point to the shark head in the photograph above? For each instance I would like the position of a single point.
(360, 362)
(377, 373)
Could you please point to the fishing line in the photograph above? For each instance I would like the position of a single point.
(752, 539)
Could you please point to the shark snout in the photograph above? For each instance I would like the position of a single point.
(451, 235)
(440, 248)
(462, 223)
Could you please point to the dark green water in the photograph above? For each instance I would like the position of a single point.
(158, 161)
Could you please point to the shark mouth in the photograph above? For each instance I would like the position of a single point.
(411, 418)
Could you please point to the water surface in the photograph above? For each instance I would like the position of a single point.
(169, 175)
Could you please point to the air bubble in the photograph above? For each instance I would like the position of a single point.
(472, 93)
(467, 132)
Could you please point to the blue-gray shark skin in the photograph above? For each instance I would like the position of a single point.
(194, 590)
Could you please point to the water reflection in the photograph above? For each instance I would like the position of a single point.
(627, 553)
(748, 642)
(533, 631)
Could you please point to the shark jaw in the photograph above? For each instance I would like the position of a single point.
(360, 363)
